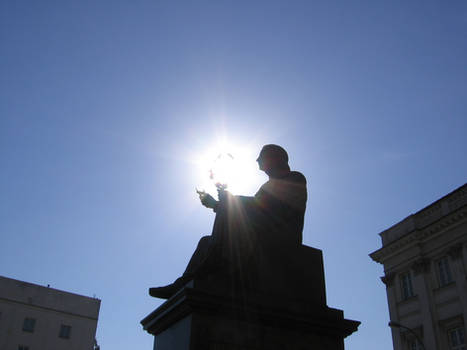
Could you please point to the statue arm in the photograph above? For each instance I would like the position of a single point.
(208, 201)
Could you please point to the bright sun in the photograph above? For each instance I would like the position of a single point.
(226, 164)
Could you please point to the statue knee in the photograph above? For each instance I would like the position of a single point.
(204, 242)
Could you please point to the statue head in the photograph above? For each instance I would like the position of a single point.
(273, 158)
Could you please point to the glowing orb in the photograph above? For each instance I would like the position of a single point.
(223, 170)
(231, 168)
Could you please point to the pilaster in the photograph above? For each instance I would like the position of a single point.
(389, 280)
(423, 288)
(457, 254)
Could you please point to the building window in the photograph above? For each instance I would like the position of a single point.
(29, 324)
(457, 338)
(406, 286)
(23, 347)
(444, 272)
(65, 331)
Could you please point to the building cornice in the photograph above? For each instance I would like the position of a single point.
(419, 235)
(40, 307)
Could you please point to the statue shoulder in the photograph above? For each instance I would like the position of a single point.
(296, 176)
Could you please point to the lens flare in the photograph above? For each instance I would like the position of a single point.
(232, 168)
(223, 170)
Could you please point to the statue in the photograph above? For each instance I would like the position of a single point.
(273, 217)
(252, 284)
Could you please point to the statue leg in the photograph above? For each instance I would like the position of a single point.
(199, 256)
(204, 259)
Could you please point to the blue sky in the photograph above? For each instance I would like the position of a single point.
(105, 104)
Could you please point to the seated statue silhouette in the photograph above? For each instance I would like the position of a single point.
(272, 218)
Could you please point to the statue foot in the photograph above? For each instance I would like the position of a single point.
(167, 291)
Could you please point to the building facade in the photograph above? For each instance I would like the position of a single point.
(33, 317)
(425, 273)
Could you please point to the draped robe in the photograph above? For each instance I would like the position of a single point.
(272, 219)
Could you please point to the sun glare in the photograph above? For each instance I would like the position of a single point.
(228, 165)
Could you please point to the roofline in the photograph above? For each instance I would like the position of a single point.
(49, 288)
(426, 207)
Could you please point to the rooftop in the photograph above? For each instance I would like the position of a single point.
(426, 216)
(48, 298)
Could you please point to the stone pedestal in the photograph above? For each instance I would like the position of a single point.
(275, 301)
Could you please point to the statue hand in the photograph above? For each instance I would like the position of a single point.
(208, 201)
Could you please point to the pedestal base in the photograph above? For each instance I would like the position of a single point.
(283, 308)
(193, 320)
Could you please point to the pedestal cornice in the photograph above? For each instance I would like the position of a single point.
(191, 301)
